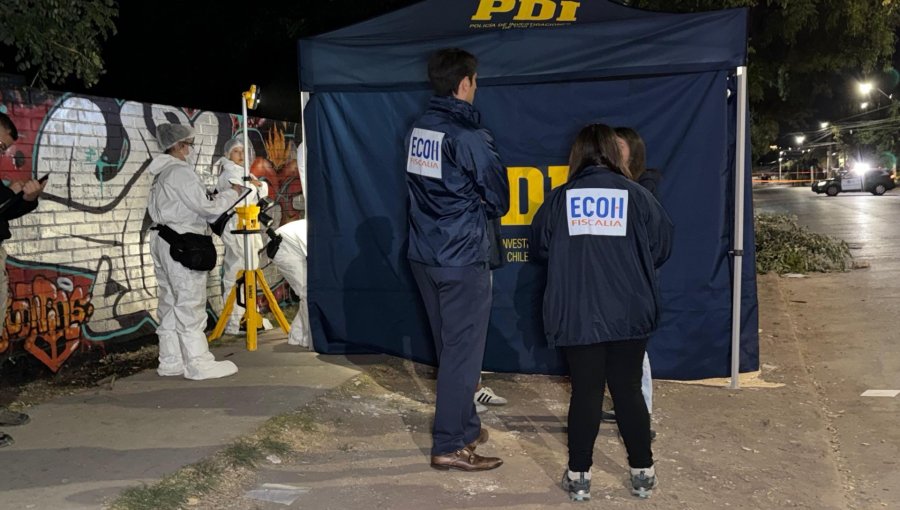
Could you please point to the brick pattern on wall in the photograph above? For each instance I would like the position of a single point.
(81, 276)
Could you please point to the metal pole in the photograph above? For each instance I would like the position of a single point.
(780, 157)
(246, 178)
(740, 169)
(304, 99)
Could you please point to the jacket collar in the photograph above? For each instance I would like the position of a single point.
(455, 107)
(594, 169)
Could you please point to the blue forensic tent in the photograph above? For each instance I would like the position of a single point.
(546, 68)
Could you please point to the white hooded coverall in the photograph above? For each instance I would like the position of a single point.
(234, 243)
(178, 199)
(290, 259)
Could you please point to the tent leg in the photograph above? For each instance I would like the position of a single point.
(740, 172)
(301, 147)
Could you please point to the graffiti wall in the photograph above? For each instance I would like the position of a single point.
(81, 276)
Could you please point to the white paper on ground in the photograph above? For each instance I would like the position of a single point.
(277, 493)
(880, 393)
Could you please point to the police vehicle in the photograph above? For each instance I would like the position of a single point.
(874, 181)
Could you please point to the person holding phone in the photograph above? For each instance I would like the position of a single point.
(16, 200)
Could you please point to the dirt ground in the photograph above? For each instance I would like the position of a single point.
(796, 446)
(812, 443)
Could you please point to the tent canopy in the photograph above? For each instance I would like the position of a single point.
(546, 68)
(602, 40)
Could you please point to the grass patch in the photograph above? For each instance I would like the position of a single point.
(304, 420)
(783, 246)
(243, 454)
(172, 492)
(272, 445)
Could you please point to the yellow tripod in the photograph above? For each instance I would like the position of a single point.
(248, 280)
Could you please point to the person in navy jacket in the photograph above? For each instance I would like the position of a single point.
(602, 236)
(457, 184)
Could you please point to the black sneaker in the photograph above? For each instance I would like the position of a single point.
(652, 435)
(608, 416)
(5, 440)
(579, 490)
(643, 483)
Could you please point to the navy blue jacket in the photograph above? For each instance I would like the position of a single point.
(601, 258)
(456, 184)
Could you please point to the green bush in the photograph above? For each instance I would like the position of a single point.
(784, 246)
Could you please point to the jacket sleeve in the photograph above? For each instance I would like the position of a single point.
(477, 153)
(188, 188)
(659, 231)
(541, 230)
(17, 206)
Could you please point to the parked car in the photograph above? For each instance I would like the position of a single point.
(875, 181)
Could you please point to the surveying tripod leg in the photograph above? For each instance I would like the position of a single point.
(226, 313)
(273, 303)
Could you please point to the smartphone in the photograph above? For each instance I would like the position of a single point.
(43, 179)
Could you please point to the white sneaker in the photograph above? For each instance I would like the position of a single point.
(486, 396)
(643, 481)
(210, 370)
(170, 370)
(480, 408)
(267, 324)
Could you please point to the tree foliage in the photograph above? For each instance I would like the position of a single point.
(56, 39)
(798, 47)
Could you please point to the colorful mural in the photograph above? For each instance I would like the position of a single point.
(80, 272)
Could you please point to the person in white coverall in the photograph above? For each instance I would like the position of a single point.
(179, 200)
(290, 259)
(232, 172)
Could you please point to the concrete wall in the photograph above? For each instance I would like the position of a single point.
(81, 276)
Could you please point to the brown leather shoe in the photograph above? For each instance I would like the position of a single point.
(464, 460)
(481, 439)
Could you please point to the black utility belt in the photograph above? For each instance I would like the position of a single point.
(193, 251)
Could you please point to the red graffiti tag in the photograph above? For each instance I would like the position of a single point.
(47, 319)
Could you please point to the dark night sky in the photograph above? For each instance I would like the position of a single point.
(204, 53)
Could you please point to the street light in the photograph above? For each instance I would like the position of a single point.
(824, 125)
(866, 88)
(864, 105)
(800, 139)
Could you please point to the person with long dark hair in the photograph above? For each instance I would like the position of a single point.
(635, 156)
(602, 236)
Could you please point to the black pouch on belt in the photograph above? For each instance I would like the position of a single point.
(193, 251)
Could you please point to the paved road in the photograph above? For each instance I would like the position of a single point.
(868, 223)
(845, 327)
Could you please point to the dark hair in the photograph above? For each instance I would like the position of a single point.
(596, 145)
(7, 123)
(637, 162)
(447, 67)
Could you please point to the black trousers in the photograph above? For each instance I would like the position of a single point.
(458, 303)
(618, 364)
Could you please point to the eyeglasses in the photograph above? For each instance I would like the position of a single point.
(190, 144)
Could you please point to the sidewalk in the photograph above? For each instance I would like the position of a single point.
(81, 450)
(811, 444)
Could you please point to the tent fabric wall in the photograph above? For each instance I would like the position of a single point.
(362, 295)
(606, 40)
